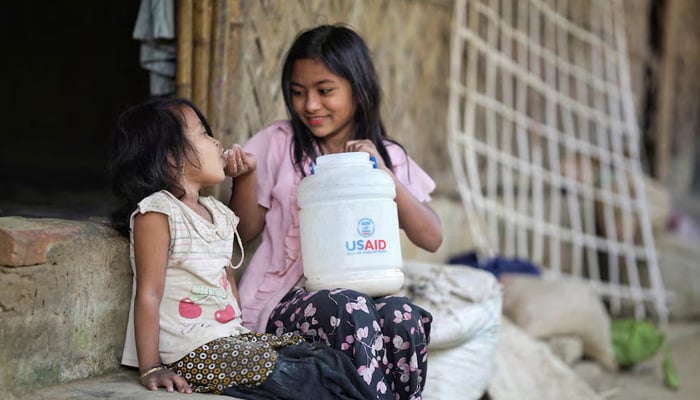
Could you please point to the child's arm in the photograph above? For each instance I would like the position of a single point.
(242, 167)
(232, 281)
(419, 221)
(151, 241)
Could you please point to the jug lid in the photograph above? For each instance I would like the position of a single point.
(347, 159)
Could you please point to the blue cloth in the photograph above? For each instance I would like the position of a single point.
(496, 265)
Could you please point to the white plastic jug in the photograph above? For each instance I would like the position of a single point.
(349, 226)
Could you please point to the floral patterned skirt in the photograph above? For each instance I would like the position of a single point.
(386, 337)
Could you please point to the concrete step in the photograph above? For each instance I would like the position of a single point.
(120, 385)
(64, 301)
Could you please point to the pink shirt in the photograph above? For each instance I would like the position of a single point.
(276, 265)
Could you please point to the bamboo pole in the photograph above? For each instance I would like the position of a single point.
(183, 77)
(201, 52)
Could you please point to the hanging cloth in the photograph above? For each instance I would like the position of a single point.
(155, 28)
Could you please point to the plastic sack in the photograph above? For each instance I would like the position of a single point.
(547, 308)
(466, 306)
(526, 369)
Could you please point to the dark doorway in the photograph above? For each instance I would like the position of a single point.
(69, 69)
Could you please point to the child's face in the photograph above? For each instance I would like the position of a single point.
(323, 100)
(209, 152)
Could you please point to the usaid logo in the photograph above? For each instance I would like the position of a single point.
(365, 227)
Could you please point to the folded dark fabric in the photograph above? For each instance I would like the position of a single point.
(496, 265)
(308, 371)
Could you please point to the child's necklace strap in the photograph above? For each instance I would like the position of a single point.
(240, 246)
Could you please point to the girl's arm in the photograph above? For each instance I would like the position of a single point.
(419, 221)
(151, 241)
(242, 167)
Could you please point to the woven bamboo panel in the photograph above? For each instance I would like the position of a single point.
(545, 144)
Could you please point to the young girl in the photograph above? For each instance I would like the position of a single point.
(185, 331)
(333, 98)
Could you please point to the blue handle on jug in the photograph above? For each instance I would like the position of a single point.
(374, 161)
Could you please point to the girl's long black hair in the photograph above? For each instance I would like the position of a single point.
(344, 53)
(148, 152)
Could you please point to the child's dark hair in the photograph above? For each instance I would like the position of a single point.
(148, 152)
(344, 53)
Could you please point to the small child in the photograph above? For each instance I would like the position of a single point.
(185, 331)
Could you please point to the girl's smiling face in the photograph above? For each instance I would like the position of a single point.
(209, 153)
(324, 102)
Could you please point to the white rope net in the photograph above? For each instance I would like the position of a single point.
(545, 146)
